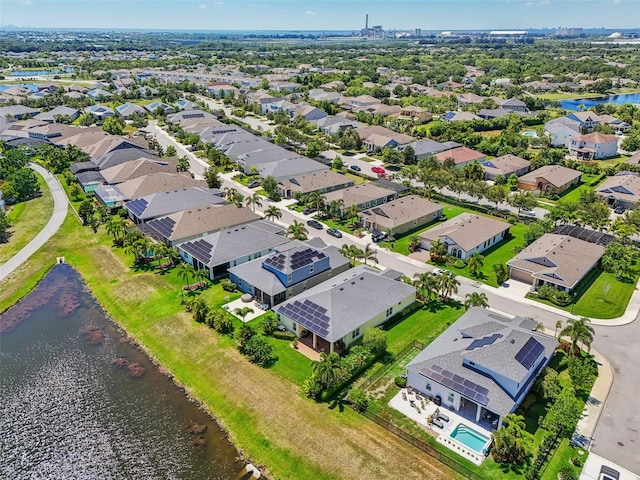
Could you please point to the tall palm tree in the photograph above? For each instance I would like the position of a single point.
(558, 327)
(297, 231)
(475, 262)
(369, 254)
(328, 369)
(243, 312)
(437, 250)
(115, 226)
(427, 284)
(202, 275)
(351, 213)
(183, 164)
(316, 200)
(476, 299)
(185, 272)
(253, 200)
(515, 424)
(272, 212)
(448, 284)
(335, 208)
(230, 194)
(578, 331)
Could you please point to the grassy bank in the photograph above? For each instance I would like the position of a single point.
(27, 219)
(265, 412)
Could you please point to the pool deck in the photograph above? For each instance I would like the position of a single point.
(442, 435)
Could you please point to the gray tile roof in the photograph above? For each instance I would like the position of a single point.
(350, 300)
(467, 230)
(165, 203)
(450, 349)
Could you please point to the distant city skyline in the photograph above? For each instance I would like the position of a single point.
(320, 14)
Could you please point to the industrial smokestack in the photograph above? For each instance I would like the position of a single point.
(366, 21)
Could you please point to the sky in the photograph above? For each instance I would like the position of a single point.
(320, 14)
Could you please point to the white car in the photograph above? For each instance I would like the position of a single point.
(438, 271)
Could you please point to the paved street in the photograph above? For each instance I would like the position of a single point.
(57, 217)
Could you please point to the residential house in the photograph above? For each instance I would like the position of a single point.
(634, 159)
(281, 86)
(99, 94)
(465, 234)
(377, 137)
(53, 115)
(338, 311)
(621, 190)
(469, 99)
(455, 116)
(505, 165)
(310, 113)
(561, 261)
(222, 89)
(322, 181)
(587, 120)
(561, 131)
(416, 114)
(292, 268)
(400, 215)
(461, 156)
(185, 104)
(138, 168)
(482, 366)
(161, 204)
(594, 146)
(363, 101)
(426, 148)
(229, 246)
(363, 196)
(261, 99)
(188, 117)
(547, 178)
(153, 106)
(19, 112)
(512, 104)
(127, 110)
(99, 112)
(320, 95)
(283, 106)
(333, 124)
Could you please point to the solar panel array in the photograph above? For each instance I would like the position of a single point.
(164, 226)
(591, 236)
(296, 260)
(529, 353)
(463, 386)
(481, 342)
(276, 261)
(310, 315)
(137, 206)
(199, 249)
(192, 115)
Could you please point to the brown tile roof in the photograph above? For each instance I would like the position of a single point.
(158, 182)
(460, 155)
(467, 230)
(316, 181)
(138, 168)
(506, 164)
(556, 175)
(401, 211)
(560, 259)
(596, 137)
(189, 223)
(358, 194)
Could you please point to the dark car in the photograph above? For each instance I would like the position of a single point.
(315, 224)
(253, 184)
(618, 210)
(355, 168)
(334, 232)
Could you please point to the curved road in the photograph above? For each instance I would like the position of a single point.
(60, 205)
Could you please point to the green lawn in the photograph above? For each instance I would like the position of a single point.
(573, 194)
(560, 458)
(499, 253)
(27, 219)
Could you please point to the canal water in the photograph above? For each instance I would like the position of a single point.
(77, 401)
(622, 99)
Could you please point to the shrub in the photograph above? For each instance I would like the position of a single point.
(567, 472)
(400, 382)
(286, 335)
(269, 324)
(375, 339)
(228, 286)
(459, 263)
(547, 292)
(528, 402)
(359, 400)
(260, 351)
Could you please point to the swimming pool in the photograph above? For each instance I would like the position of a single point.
(530, 133)
(468, 437)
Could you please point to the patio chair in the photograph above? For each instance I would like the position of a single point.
(442, 416)
(438, 423)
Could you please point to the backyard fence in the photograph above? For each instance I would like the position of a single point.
(378, 374)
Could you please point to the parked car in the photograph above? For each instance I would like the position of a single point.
(438, 271)
(527, 213)
(378, 236)
(378, 170)
(314, 224)
(382, 175)
(355, 168)
(619, 210)
(308, 210)
(334, 232)
(253, 184)
(441, 217)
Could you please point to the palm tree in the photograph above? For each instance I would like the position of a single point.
(115, 226)
(352, 212)
(335, 208)
(369, 254)
(202, 275)
(183, 165)
(475, 262)
(198, 308)
(185, 272)
(578, 330)
(427, 283)
(328, 369)
(476, 299)
(272, 212)
(448, 284)
(438, 250)
(316, 200)
(253, 200)
(243, 312)
(297, 231)
(414, 243)
(558, 327)
(515, 424)
(230, 194)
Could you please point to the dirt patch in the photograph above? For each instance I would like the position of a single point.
(136, 370)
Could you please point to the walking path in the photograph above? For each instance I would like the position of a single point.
(60, 204)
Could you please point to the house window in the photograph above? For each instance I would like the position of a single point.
(311, 269)
(279, 317)
(451, 397)
(288, 278)
(295, 327)
(389, 311)
(428, 386)
(355, 333)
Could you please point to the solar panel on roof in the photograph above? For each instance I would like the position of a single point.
(529, 353)
(481, 342)
(459, 384)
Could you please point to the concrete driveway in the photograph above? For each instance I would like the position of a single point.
(60, 205)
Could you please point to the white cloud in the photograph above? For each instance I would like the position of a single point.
(26, 2)
(218, 3)
(309, 12)
(202, 6)
(529, 4)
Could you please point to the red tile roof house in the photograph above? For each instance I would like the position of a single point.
(554, 178)
(594, 146)
(461, 156)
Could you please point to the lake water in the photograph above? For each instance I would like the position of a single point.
(53, 71)
(622, 99)
(68, 412)
(29, 86)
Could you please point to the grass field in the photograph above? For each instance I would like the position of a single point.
(27, 219)
(264, 411)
